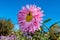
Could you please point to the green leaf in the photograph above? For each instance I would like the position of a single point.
(56, 23)
(47, 20)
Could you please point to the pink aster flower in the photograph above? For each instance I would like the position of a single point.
(30, 18)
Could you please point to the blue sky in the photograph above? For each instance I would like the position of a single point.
(9, 9)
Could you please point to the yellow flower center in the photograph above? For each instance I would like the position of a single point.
(29, 17)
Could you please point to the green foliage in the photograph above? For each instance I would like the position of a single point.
(5, 27)
(52, 30)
